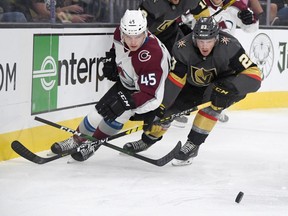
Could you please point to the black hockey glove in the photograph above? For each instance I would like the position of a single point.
(223, 95)
(110, 67)
(246, 16)
(185, 29)
(115, 106)
(151, 117)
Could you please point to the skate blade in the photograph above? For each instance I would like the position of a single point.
(176, 162)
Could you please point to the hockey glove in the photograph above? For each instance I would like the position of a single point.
(110, 66)
(185, 23)
(246, 16)
(115, 106)
(185, 29)
(223, 95)
(150, 119)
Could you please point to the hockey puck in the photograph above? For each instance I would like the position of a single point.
(239, 197)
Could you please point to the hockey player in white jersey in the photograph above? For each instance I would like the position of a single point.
(238, 14)
(139, 63)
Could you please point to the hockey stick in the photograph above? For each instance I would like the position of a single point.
(74, 132)
(20, 149)
(124, 133)
(185, 112)
(224, 7)
(121, 134)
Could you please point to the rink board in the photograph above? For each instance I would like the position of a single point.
(57, 74)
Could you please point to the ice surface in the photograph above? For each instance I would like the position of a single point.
(249, 154)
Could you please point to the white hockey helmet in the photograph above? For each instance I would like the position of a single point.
(133, 22)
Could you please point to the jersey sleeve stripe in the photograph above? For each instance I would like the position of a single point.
(180, 82)
(253, 72)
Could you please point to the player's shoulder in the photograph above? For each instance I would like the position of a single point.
(150, 52)
(188, 4)
(240, 5)
(153, 2)
(228, 44)
(149, 56)
(154, 6)
(183, 48)
(184, 43)
(226, 38)
(117, 34)
(153, 45)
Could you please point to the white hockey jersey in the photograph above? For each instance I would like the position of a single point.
(228, 19)
(143, 71)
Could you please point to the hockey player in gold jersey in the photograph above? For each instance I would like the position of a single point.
(209, 65)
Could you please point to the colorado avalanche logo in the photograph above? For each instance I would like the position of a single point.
(144, 56)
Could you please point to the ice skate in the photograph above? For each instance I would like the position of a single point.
(85, 152)
(136, 146)
(186, 154)
(64, 146)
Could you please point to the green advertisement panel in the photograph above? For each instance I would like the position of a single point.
(45, 77)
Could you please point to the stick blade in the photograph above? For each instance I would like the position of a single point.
(21, 150)
(170, 156)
